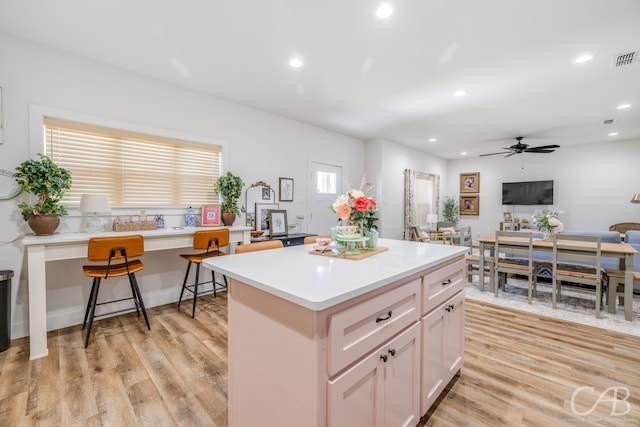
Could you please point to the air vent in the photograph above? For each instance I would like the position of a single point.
(608, 121)
(624, 59)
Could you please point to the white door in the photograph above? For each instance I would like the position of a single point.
(324, 187)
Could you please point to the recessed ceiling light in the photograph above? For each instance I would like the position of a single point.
(623, 106)
(296, 62)
(614, 134)
(384, 11)
(463, 153)
(460, 92)
(432, 140)
(583, 58)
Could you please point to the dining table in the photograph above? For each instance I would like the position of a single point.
(623, 251)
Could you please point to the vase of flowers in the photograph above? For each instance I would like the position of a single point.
(548, 223)
(357, 208)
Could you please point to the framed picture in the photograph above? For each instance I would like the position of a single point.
(286, 189)
(469, 205)
(210, 215)
(277, 223)
(470, 182)
(266, 193)
(262, 215)
(506, 217)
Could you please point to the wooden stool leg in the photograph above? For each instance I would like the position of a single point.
(184, 284)
(92, 311)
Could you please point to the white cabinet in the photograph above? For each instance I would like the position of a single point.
(382, 389)
(442, 347)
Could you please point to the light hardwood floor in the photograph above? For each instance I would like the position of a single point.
(520, 369)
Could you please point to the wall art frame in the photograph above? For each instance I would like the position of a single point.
(210, 216)
(470, 182)
(262, 215)
(286, 189)
(470, 205)
(278, 222)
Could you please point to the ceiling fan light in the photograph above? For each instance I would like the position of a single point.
(635, 198)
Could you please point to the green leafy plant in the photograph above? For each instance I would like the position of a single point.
(47, 181)
(450, 209)
(229, 187)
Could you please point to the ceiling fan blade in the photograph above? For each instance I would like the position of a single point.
(539, 151)
(544, 147)
(511, 154)
(493, 154)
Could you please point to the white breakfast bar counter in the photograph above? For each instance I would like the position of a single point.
(327, 341)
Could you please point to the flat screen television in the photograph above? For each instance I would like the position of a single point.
(527, 193)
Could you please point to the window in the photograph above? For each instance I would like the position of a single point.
(134, 169)
(327, 183)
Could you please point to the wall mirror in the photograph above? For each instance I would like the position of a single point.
(9, 188)
(260, 192)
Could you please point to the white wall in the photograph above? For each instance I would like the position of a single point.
(387, 160)
(260, 146)
(593, 184)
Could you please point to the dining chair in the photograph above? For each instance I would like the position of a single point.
(118, 252)
(259, 246)
(473, 267)
(212, 242)
(577, 259)
(513, 254)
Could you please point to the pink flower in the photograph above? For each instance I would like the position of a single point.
(343, 211)
(362, 203)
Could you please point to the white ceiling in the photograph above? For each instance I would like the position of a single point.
(373, 78)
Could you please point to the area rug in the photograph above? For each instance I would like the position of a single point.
(575, 305)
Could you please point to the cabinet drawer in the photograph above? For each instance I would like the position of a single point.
(365, 326)
(442, 284)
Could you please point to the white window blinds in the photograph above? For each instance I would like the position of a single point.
(133, 169)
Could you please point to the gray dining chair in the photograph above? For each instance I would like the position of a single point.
(577, 259)
(514, 255)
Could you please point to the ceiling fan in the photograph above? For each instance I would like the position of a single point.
(520, 147)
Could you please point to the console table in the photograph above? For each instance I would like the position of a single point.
(41, 249)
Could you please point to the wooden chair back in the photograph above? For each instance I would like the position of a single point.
(623, 227)
(211, 239)
(102, 249)
(259, 246)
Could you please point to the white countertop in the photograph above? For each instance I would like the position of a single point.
(31, 239)
(319, 282)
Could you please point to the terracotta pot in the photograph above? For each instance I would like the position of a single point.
(44, 225)
(228, 218)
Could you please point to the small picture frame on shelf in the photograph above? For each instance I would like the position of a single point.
(470, 182)
(262, 215)
(277, 223)
(506, 217)
(469, 205)
(286, 189)
(210, 215)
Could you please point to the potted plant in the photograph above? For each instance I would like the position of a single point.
(48, 182)
(229, 187)
(450, 210)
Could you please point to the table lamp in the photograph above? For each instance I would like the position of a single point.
(94, 204)
(432, 220)
(635, 198)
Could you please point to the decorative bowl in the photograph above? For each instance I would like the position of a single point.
(257, 233)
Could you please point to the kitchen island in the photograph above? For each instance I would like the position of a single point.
(316, 340)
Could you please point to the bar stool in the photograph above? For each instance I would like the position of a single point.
(211, 241)
(259, 246)
(110, 249)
